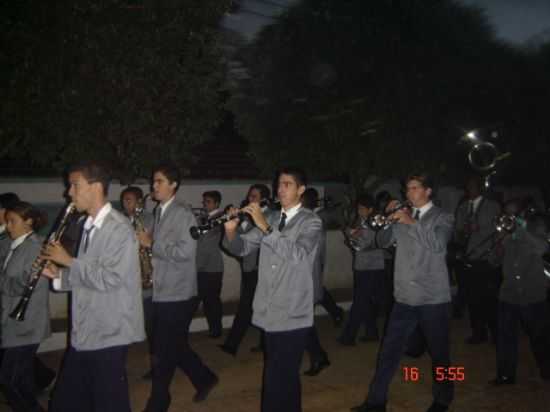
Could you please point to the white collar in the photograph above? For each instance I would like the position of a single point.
(476, 202)
(164, 206)
(423, 209)
(290, 213)
(19, 240)
(2, 229)
(100, 217)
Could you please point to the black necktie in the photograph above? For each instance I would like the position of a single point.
(87, 234)
(417, 214)
(283, 222)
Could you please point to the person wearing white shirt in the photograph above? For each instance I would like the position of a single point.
(107, 310)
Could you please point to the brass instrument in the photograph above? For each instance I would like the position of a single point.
(384, 220)
(483, 156)
(145, 253)
(198, 231)
(506, 223)
(38, 266)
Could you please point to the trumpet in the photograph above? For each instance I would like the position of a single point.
(38, 266)
(385, 220)
(506, 223)
(198, 231)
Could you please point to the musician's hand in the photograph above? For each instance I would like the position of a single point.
(355, 232)
(144, 238)
(51, 271)
(57, 254)
(255, 211)
(403, 216)
(231, 225)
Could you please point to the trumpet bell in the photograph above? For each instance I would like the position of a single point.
(483, 156)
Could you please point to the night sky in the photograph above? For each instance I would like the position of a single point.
(515, 21)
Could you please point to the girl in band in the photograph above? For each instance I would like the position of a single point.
(20, 339)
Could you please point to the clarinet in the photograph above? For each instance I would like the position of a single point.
(38, 266)
(198, 231)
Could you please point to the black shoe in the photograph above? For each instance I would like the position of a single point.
(476, 340)
(227, 349)
(365, 407)
(345, 341)
(339, 318)
(503, 380)
(317, 367)
(437, 407)
(256, 349)
(148, 376)
(203, 393)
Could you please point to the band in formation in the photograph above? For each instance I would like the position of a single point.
(136, 275)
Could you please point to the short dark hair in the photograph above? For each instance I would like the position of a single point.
(297, 173)
(7, 199)
(214, 195)
(136, 191)
(172, 173)
(27, 211)
(310, 198)
(265, 193)
(94, 172)
(424, 178)
(365, 199)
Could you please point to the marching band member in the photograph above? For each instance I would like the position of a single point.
(174, 293)
(283, 302)
(368, 277)
(20, 339)
(210, 266)
(422, 292)
(522, 297)
(106, 312)
(249, 278)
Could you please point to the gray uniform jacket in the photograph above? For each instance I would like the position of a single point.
(209, 254)
(284, 296)
(174, 255)
(369, 256)
(484, 217)
(105, 281)
(13, 279)
(421, 276)
(524, 281)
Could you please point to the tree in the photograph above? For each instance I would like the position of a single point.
(129, 82)
(365, 88)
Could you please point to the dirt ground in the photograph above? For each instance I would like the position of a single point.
(345, 382)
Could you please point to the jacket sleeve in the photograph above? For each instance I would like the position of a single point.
(244, 243)
(108, 271)
(180, 248)
(299, 249)
(433, 237)
(14, 285)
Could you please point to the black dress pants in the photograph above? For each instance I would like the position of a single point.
(92, 381)
(210, 289)
(433, 321)
(171, 322)
(17, 378)
(243, 318)
(482, 287)
(283, 358)
(534, 319)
